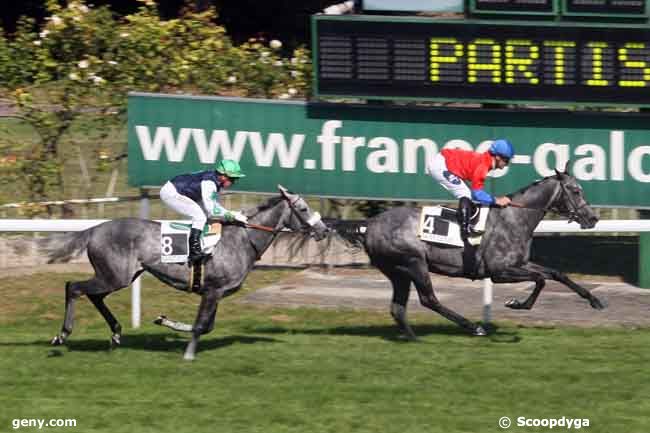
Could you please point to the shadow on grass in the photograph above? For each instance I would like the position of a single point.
(175, 343)
(145, 342)
(391, 333)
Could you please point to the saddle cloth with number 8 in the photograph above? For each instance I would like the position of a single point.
(174, 236)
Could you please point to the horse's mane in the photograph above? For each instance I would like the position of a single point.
(268, 204)
(272, 202)
(523, 190)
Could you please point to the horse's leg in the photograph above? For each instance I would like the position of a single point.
(418, 270)
(401, 289)
(212, 319)
(72, 292)
(516, 275)
(98, 301)
(184, 327)
(534, 272)
(206, 314)
(96, 290)
(562, 278)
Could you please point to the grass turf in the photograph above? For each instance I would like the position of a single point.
(304, 370)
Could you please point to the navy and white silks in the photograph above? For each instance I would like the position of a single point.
(196, 195)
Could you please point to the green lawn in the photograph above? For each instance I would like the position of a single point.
(305, 370)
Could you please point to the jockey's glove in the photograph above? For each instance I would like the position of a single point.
(240, 217)
(236, 216)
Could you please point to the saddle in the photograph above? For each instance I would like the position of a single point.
(174, 248)
(174, 237)
(439, 225)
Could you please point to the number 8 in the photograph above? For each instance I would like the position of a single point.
(166, 244)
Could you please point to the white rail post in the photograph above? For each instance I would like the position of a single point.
(487, 300)
(137, 283)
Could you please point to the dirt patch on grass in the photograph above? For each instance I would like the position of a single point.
(368, 289)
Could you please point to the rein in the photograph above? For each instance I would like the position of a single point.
(570, 213)
(274, 231)
(260, 227)
(523, 206)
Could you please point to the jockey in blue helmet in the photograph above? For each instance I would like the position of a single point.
(453, 167)
(502, 148)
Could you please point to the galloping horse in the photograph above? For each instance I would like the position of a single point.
(393, 246)
(122, 249)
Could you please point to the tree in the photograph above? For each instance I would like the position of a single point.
(82, 62)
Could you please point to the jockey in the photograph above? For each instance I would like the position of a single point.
(197, 195)
(452, 167)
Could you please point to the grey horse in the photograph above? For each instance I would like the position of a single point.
(122, 249)
(391, 241)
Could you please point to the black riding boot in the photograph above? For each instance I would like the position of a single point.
(465, 208)
(195, 246)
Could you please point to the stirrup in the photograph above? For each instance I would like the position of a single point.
(196, 275)
(470, 233)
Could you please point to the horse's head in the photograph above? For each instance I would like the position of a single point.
(570, 201)
(302, 216)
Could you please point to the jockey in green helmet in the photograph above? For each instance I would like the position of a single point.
(197, 196)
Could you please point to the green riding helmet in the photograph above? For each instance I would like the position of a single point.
(230, 168)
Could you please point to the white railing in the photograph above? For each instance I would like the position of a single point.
(550, 226)
(546, 226)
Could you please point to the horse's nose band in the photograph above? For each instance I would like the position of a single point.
(315, 219)
(312, 221)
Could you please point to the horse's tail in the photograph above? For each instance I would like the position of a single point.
(63, 248)
(352, 232)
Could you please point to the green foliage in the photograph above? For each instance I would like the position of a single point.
(82, 62)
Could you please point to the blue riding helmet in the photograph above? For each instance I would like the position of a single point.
(503, 148)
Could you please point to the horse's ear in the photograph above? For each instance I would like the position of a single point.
(559, 173)
(283, 190)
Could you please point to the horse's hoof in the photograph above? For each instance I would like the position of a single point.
(115, 340)
(159, 320)
(479, 331)
(188, 357)
(598, 304)
(514, 304)
(57, 341)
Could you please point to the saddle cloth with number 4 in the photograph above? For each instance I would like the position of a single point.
(439, 225)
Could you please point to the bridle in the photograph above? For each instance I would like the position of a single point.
(311, 222)
(306, 224)
(572, 211)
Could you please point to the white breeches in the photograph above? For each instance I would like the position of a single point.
(437, 169)
(183, 205)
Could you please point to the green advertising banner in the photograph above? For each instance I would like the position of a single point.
(335, 150)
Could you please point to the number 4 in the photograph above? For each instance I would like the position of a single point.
(428, 224)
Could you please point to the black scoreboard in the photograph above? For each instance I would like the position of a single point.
(605, 8)
(570, 8)
(514, 6)
(375, 57)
